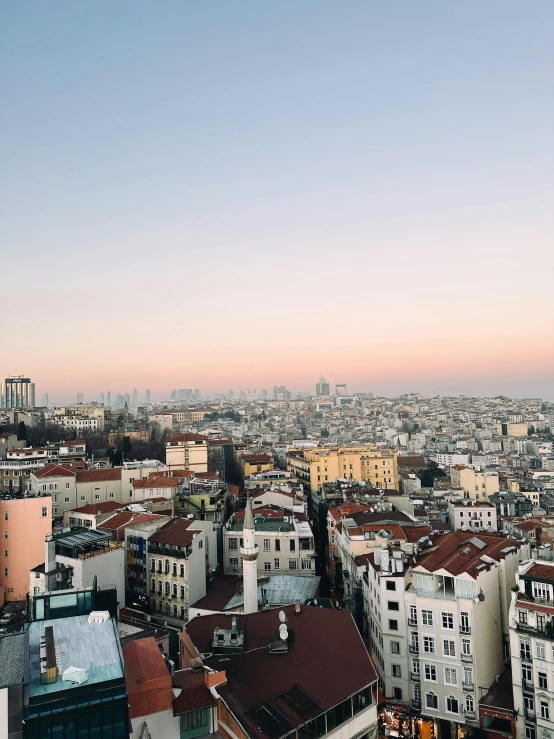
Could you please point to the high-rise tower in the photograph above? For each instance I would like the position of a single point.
(249, 554)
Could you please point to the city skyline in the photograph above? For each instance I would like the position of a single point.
(247, 196)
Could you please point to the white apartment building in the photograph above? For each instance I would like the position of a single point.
(472, 515)
(447, 459)
(78, 423)
(285, 541)
(532, 648)
(438, 629)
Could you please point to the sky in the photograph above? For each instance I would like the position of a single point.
(245, 194)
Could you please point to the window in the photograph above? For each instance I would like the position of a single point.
(449, 647)
(466, 647)
(67, 484)
(415, 666)
(306, 564)
(5, 552)
(96, 497)
(451, 704)
(182, 592)
(431, 673)
(543, 680)
(167, 588)
(427, 618)
(112, 495)
(393, 625)
(429, 644)
(395, 647)
(526, 672)
(267, 566)
(540, 590)
(396, 671)
(152, 564)
(167, 567)
(233, 543)
(465, 589)
(393, 605)
(66, 500)
(174, 590)
(413, 615)
(431, 701)
(181, 570)
(293, 564)
(398, 693)
(277, 545)
(292, 544)
(530, 732)
(391, 585)
(44, 511)
(540, 651)
(83, 498)
(6, 534)
(450, 677)
(267, 545)
(545, 710)
(276, 564)
(200, 544)
(524, 649)
(175, 569)
(36, 590)
(5, 571)
(470, 704)
(233, 562)
(447, 620)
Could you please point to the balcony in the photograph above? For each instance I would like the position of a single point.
(470, 715)
(526, 657)
(415, 677)
(528, 685)
(546, 632)
(530, 715)
(414, 648)
(416, 704)
(467, 657)
(469, 687)
(412, 621)
(465, 629)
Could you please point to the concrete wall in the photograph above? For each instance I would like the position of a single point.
(161, 724)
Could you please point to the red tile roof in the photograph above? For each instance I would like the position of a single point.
(541, 572)
(104, 475)
(126, 518)
(187, 437)
(93, 508)
(456, 553)
(55, 470)
(177, 532)
(158, 481)
(194, 692)
(348, 509)
(143, 663)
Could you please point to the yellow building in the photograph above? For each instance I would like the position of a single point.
(251, 464)
(315, 467)
(187, 452)
(512, 429)
(478, 485)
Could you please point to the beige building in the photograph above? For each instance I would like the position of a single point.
(512, 429)
(317, 466)
(187, 452)
(477, 484)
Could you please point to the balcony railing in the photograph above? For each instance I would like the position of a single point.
(465, 629)
(471, 715)
(467, 657)
(416, 704)
(414, 648)
(416, 677)
(530, 715)
(528, 685)
(412, 621)
(468, 686)
(525, 657)
(546, 632)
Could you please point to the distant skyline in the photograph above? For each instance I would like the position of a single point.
(248, 194)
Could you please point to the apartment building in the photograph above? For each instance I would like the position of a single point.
(478, 484)
(24, 524)
(518, 428)
(284, 539)
(136, 534)
(180, 554)
(17, 392)
(472, 515)
(187, 452)
(315, 467)
(532, 648)
(73, 488)
(20, 463)
(9, 442)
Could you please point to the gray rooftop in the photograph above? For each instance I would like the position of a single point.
(81, 538)
(94, 647)
(282, 590)
(12, 659)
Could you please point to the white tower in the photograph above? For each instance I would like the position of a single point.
(249, 554)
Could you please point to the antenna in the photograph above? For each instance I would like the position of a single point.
(282, 617)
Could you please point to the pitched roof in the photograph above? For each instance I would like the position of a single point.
(187, 437)
(158, 481)
(55, 470)
(194, 692)
(540, 572)
(103, 475)
(143, 663)
(126, 518)
(458, 552)
(176, 532)
(93, 508)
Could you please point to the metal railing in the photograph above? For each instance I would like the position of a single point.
(414, 648)
(412, 621)
(416, 677)
(465, 629)
(467, 657)
(527, 685)
(468, 686)
(416, 704)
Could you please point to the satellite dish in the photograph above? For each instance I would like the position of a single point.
(282, 617)
(481, 597)
(283, 632)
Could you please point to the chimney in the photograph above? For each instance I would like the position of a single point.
(49, 556)
(213, 679)
(385, 555)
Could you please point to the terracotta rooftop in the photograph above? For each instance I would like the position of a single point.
(541, 572)
(458, 552)
(274, 694)
(143, 663)
(194, 692)
(104, 475)
(158, 481)
(348, 509)
(177, 532)
(187, 437)
(93, 508)
(126, 518)
(55, 470)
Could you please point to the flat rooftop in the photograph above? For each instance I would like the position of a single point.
(93, 647)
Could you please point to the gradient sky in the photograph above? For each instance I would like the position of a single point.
(243, 194)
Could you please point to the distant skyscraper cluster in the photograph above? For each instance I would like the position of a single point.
(17, 392)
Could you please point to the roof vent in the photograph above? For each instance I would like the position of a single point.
(98, 617)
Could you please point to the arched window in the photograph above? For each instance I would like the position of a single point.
(431, 700)
(182, 592)
(167, 588)
(452, 704)
(417, 692)
(470, 704)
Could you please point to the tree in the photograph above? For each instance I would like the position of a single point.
(530, 430)
(127, 448)
(430, 474)
(22, 431)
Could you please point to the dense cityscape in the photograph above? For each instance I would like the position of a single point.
(167, 564)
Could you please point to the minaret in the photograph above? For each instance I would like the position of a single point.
(249, 554)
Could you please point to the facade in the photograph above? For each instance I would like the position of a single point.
(322, 387)
(180, 554)
(511, 504)
(136, 534)
(285, 542)
(470, 515)
(478, 485)
(187, 452)
(9, 442)
(17, 392)
(532, 649)
(18, 466)
(315, 467)
(73, 488)
(517, 428)
(24, 523)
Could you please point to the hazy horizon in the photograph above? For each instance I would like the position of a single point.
(255, 194)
